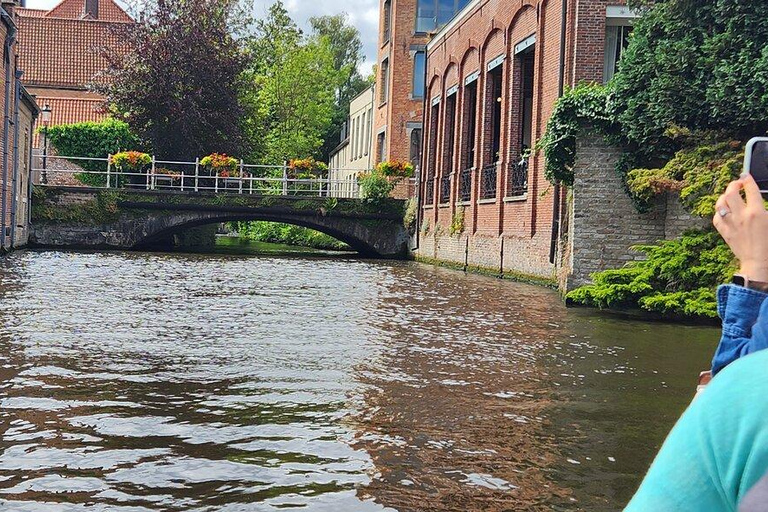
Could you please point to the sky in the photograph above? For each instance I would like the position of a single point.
(364, 14)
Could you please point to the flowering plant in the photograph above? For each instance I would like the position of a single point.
(167, 173)
(395, 169)
(307, 165)
(130, 160)
(222, 164)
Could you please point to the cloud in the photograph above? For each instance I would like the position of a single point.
(363, 14)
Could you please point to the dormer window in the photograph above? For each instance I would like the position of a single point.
(91, 9)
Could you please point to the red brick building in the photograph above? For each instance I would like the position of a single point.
(19, 112)
(405, 28)
(494, 74)
(59, 51)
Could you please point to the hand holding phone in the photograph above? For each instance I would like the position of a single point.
(756, 162)
(743, 224)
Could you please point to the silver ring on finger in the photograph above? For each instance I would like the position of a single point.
(724, 212)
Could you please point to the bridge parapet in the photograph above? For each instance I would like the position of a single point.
(97, 218)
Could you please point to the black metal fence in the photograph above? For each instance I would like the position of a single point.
(517, 186)
(429, 190)
(488, 182)
(465, 185)
(445, 189)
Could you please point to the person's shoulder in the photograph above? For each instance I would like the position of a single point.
(746, 372)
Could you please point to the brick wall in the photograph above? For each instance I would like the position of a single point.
(512, 232)
(397, 116)
(603, 223)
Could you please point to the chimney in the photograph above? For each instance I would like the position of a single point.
(92, 8)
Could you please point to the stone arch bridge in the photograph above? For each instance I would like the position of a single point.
(93, 218)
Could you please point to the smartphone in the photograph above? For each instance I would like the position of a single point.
(756, 162)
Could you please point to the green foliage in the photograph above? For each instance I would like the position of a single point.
(395, 169)
(411, 213)
(290, 88)
(287, 234)
(375, 187)
(585, 105)
(457, 223)
(677, 277)
(697, 65)
(699, 173)
(92, 140)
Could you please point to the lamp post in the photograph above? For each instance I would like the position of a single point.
(46, 118)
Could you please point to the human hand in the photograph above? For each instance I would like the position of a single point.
(744, 227)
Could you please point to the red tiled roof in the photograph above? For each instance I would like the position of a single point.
(32, 13)
(64, 53)
(108, 10)
(71, 110)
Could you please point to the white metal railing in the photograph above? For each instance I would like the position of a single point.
(193, 177)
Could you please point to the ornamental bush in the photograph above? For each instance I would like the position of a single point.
(374, 186)
(678, 277)
(699, 172)
(92, 140)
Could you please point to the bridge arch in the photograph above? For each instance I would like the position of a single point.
(178, 224)
(91, 218)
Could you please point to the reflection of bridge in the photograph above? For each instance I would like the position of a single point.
(101, 218)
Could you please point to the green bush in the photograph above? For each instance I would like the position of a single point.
(375, 187)
(694, 64)
(92, 140)
(677, 277)
(287, 234)
(699, 173)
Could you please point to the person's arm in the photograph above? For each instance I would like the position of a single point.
(743, 224)
(718, 450)
(740, 308)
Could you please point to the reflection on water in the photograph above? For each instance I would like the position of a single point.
(138, 382)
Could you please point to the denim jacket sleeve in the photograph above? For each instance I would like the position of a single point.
(745, 324)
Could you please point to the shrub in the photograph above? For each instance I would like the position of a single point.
(457, 223)
(92, 140)
(411, 213)
(678, 277)
(697, 65)
(700, 173)
(374, 186)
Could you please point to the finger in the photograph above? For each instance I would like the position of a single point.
(754, 197)
(733, 199)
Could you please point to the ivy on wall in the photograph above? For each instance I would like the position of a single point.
(691, 89)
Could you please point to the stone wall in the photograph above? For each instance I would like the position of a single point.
(602, 221)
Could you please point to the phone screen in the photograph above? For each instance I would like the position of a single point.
(759, 164)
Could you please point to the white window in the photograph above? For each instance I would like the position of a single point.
(618, 27)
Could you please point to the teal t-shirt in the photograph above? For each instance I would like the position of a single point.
(718, 450)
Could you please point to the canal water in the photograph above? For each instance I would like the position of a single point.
(135, 382)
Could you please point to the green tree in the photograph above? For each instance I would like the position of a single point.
(178, 87)
(694, 64)
(291, 88)
(347, 49)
